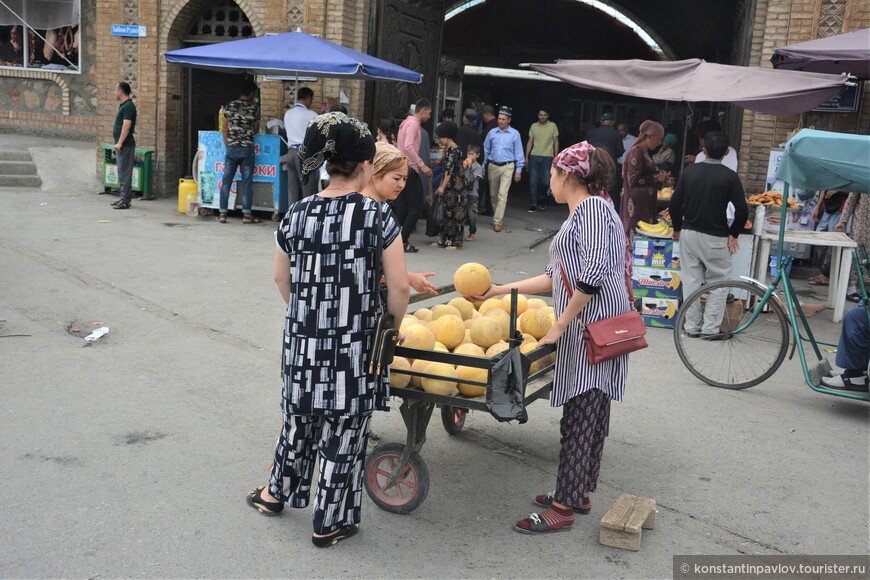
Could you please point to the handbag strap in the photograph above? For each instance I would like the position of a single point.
(570, 290)
(378, 254)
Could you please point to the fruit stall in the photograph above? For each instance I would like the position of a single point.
(459, 356)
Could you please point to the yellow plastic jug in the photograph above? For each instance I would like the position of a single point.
(185, 187)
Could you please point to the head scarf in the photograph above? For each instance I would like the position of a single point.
(577, 159)
(652, 129)
(670, 140)
(334, 137)
(385, 156)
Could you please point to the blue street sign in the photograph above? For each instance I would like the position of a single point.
(128, 30)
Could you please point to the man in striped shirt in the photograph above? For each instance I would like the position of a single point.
(409, 205)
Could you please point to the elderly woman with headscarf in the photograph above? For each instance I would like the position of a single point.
(325, 269)
(666, 157)
(640, 176)
(587, 276)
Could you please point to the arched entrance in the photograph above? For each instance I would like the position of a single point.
(191, 98)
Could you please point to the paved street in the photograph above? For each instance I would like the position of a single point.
(132, 456)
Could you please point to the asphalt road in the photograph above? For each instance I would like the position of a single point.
(132, 456)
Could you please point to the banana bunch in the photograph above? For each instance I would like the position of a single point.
(660, 229)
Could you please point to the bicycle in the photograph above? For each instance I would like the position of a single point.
(755, 332)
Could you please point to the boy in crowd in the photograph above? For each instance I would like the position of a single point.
(473, 175)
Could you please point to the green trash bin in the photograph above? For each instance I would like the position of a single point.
(141, 182)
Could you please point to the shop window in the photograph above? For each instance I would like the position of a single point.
(40, 34)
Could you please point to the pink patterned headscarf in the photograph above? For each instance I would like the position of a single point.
(576, 159)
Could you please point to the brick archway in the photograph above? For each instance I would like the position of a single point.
(170, 137)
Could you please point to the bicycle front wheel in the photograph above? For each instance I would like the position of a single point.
(719, 341)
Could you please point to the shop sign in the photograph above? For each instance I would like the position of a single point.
(129, 30)
(847, 102)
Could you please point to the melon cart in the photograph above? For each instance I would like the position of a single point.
(397, 478)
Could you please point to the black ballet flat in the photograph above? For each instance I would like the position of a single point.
(335, 537)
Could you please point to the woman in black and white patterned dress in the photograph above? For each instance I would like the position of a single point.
(589, 250)
(325, 271)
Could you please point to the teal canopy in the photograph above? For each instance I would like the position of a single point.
(819, 160)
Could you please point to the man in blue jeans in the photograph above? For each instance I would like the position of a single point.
(542, 146)
(241, 122)
(853, 352)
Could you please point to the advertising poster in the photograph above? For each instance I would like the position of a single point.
(267, 169)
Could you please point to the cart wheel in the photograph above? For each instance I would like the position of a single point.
(276, 217)
(411, 488)
(203, 211)
(453, 419)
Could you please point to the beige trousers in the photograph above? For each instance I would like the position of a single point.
(500, 177)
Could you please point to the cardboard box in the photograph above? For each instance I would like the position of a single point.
(656, 283)
(659, 312)
(655, 252)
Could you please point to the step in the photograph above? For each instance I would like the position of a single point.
(17, 155)
(20, 181)
(17, 167)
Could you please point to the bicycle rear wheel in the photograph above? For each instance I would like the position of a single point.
(732, 358)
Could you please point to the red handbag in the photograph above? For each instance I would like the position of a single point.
(611, 337)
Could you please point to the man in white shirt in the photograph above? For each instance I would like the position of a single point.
(296, 121)
(627, 140)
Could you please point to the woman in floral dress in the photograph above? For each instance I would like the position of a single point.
(452, 189)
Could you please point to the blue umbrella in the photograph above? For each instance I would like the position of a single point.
(290, 53)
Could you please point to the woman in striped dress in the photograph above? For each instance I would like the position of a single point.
(588, 252)
(326, 273)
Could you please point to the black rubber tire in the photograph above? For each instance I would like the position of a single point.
(410, 490)
(203, 211)
(778, 342)
(453, 419)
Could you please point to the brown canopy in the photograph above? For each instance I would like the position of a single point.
(769, 91)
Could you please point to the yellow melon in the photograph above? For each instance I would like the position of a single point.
(440, 310)
(489, 304)
(504, 320)
(409, 322)
(476, 314)
(423, 314)
(538, 364)
(522, 303)
(464, 307)
(467, 323)
(418, 336)
(529, 338)
(449, 330)
(397, 379)
(472, 279)
(442, 386)
(536, 322)
(439, 346)
(498, 347)
(485, 331)
(418, 366)
(469, 349)
(471, 374)
(536, 303)
(467, 338)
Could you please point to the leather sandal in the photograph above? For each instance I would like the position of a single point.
(535, 524)
(222, 218)
(267, 508)
(250, 219)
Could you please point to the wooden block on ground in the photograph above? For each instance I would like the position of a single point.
(622, 524)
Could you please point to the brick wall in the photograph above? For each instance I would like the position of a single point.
(781, 23)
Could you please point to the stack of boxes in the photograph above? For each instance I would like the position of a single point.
(655, 280)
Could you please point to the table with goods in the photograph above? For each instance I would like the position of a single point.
(459, 356)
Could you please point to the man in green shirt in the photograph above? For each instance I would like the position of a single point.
(125, 144)
(542, 146)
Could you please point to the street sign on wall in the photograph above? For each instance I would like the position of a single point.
(129, 30)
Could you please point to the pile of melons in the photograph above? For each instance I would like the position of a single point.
(463, 327)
